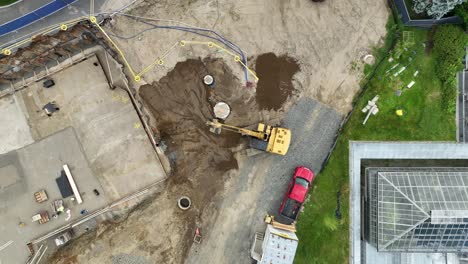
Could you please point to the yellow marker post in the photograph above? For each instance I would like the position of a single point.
(6, 52)
(399, 112)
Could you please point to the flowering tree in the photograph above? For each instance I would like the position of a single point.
(435, 8)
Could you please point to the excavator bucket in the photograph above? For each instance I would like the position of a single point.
(215, 126)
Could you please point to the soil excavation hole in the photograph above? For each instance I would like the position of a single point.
(181, 103)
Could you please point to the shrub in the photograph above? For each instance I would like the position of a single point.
(449, 49)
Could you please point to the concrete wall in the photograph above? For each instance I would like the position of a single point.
(46, 50)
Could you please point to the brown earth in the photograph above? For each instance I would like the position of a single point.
(201, 162)
(275, 84)
(181, 105)
(324, 39)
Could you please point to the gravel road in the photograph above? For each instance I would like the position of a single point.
(261, 182)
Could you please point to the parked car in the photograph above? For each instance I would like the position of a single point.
(297, 192)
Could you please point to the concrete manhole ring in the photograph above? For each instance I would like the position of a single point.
(184, 203)
(221, 110)
(369, 59)
(208, 80)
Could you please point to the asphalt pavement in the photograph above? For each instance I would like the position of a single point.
(33, 16)
(76, 10)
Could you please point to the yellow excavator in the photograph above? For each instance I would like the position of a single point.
(267, 138)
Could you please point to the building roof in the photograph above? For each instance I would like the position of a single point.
(423, 210)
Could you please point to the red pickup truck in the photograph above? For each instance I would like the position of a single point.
(297, 192)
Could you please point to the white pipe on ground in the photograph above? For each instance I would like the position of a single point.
(72, 184)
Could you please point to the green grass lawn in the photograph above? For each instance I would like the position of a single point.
(6, 2)
(323, 239)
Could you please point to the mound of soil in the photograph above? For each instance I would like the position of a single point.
(181, 105)
(275, 80)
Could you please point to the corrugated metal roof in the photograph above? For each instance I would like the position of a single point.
(279, 246)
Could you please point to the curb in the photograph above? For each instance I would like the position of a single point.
(10, 5)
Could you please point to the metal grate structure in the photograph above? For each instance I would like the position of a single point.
(418, 209)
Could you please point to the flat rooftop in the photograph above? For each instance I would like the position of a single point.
(33, 168)
(96, 131)
(107, 125)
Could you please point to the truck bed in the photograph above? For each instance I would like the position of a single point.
(291, 209)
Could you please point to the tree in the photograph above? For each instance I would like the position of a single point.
(449, 48)
(435, 8)
(449, 44)
(462, 12)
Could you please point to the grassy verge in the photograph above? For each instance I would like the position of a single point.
(323, 239)
(6, 2)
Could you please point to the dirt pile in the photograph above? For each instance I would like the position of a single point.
(181, 105)
(275, 80)
(201, 161)
(325, 38)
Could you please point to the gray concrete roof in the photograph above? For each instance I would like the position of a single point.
(36, 167)
(14, 130)
(97, 132)
(107, 125)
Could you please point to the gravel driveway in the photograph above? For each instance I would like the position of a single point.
(261, 183)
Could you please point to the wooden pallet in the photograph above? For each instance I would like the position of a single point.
(41, 196)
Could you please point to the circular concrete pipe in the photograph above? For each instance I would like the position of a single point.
(369, 59)
(221, 110)
(208, 80)
(184, 203)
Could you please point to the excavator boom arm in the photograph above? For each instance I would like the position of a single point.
(243, 131)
